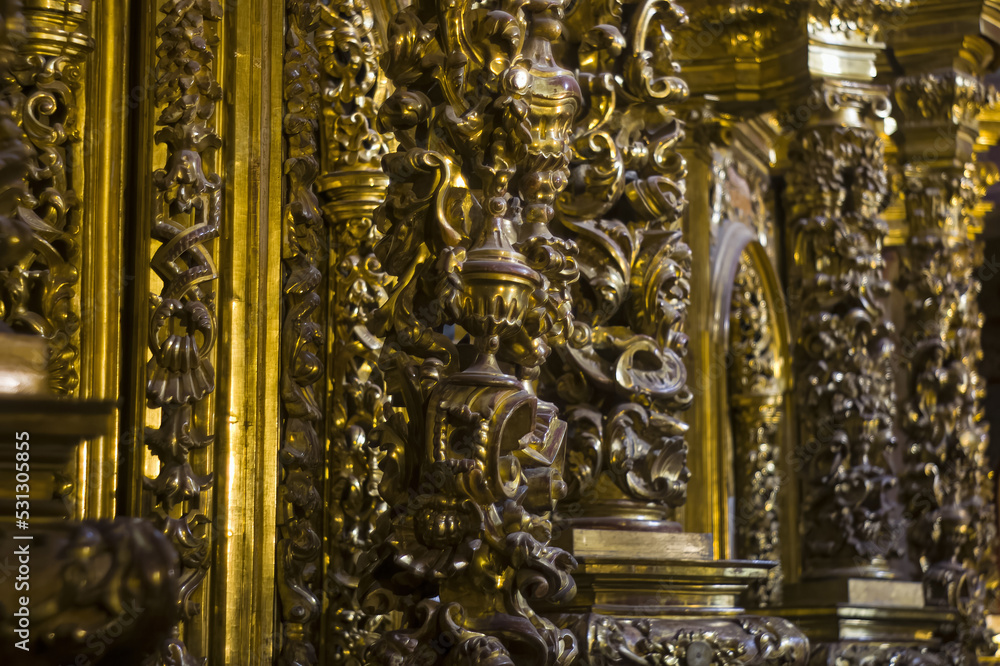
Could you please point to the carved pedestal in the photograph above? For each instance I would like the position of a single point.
(659, 595)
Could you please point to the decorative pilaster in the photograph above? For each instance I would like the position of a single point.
(842, 360)
(302, 366)
(38, 294)
(351, 185)
(946, 485)
(180, 375)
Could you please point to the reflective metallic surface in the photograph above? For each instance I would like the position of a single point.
(549, 332)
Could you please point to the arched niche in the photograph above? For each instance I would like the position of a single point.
(750, 341)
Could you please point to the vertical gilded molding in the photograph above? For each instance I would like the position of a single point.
(757, 407)
(836, 188)
(946, 483)
(302, 343)
(40, 294)
(351, 185)
(182, 329)
(104, 275)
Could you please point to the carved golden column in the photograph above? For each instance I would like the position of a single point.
(946, 485)
(836, 189)
(351, 185)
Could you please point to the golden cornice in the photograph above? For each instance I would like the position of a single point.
(946, 34)
(743, 53)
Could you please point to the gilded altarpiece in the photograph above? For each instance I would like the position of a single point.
(539, 332)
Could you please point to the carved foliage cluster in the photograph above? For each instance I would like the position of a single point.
(37, 285)
(482, 114)
(843, 358)
(622, 375)
(15, 234)
(303, 256)
(747, 640)
(182, 327)
(351, 187)
(874, 653)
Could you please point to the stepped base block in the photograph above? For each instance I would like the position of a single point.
(657, 597)
(858, 609)
(588, 542)
(847, 622)
(857, 592)
(632, 572)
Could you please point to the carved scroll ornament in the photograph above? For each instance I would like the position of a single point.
(38, 291)
(182, 328)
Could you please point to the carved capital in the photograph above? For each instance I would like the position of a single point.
(939, 113)
(861, 21)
